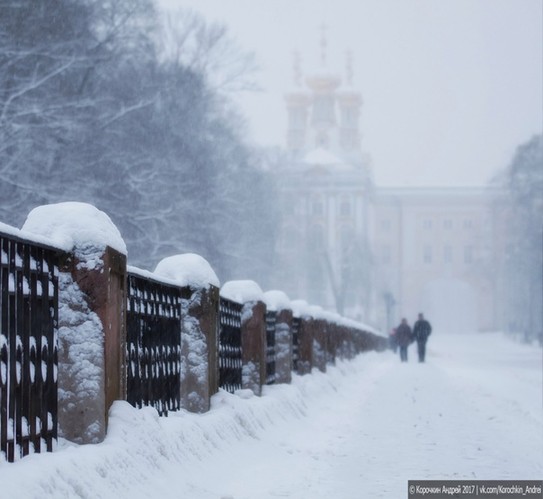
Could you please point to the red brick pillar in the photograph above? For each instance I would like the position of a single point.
(199, 347)
(319, 344)
(283, 346)
(305, 345)
(253, 346)
(93, 285)
(332, 342)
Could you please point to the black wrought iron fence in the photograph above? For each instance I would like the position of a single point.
(271, 319)
(28, 347)
(230, 361)
(153, 343)
(295, 342)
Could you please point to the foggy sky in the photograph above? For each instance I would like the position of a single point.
(450, 87)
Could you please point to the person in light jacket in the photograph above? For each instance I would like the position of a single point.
(404, 338)
(421, 331)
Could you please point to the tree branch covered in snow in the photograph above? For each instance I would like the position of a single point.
(94, 109)
(524, 258)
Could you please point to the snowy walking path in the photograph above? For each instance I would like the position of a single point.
(469, 412)
(362, 430)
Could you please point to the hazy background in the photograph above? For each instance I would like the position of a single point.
(450, 87)
(139, 111)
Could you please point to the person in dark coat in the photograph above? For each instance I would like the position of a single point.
(404, 337)
(421, 331)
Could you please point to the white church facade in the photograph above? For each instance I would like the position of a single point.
(373, 252)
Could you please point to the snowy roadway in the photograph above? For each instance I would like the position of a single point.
(464, 414)
(474, 410)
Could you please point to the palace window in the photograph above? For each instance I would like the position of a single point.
(349, 117)
(468, 254)
(427, 224)
(447, 254)
(297, 119)
(386, 254)
(347, 239)
(317, 208)
(345, 208)
(427, 254)
(323, 109)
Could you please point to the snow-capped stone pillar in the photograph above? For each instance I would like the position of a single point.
(105, 290)
(199, 385)
(92, 315)
(200, 311)
(279, 302)
(253, 331)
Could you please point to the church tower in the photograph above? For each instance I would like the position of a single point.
(325, 190)
(349, 103)
(323, 113)
(297, 101)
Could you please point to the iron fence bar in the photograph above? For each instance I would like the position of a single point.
(12, 341)
(153, 344)
(295, 342)
(28, 346)
(271, 320)
(4, 351)
(230, 361)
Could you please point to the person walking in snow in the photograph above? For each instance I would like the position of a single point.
(421, 331)
(404, 337)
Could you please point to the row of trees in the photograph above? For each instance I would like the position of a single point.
(104, 101)
(523, 276)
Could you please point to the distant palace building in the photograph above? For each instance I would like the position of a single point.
(371, 252)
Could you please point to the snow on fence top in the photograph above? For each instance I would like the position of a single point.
(35, 238)
(150, 275)
(300, 308)
(276, 300)
(74, 225)
(242, 291)
(188, 269)
(318, 312)
(358, 325)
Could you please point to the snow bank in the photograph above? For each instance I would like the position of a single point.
(73, 225)
(276, 300)
(335, 426)
(145, 455)
(242, 291)
(188, 269)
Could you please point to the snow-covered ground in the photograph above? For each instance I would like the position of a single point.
(474, 410)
